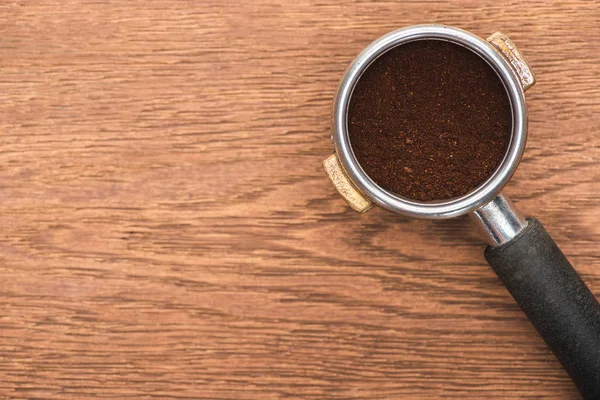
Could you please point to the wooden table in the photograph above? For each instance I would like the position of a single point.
(168, 231)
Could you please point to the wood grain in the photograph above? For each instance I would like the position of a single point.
(168, 232)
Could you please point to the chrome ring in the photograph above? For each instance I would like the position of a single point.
(479, 196)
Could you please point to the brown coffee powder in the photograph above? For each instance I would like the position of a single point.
(429, 120)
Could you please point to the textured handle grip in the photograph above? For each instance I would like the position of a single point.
(560, 306)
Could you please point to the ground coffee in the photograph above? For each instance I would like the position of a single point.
(429, 120)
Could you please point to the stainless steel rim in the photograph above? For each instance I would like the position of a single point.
(441, 209)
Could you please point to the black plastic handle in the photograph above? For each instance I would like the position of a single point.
(560, 306)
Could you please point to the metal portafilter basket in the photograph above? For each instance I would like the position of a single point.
(531, 266)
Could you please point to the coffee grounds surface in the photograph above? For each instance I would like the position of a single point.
(429, 120)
